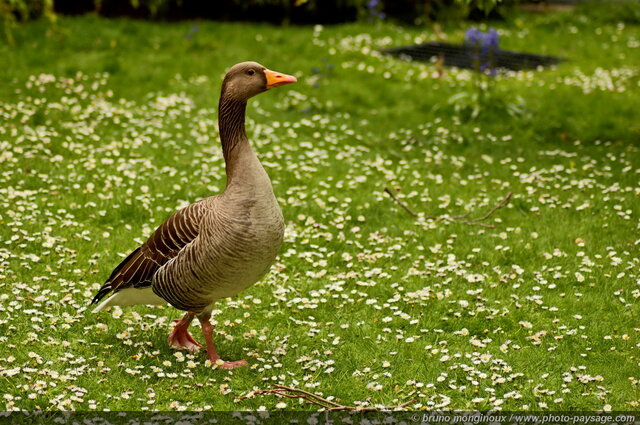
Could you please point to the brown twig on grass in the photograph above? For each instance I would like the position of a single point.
(456, 218)
(399, 202)
(499, 205)
(281, 390)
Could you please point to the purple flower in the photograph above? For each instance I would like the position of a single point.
(373, 6)
(473, 36)
(482, 48)
(493, 39)
(473, 41)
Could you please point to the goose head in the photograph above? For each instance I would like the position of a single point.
(247, 79)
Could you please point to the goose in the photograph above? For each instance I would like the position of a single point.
(218, 246)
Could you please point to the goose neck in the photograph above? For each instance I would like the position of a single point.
(231, 116)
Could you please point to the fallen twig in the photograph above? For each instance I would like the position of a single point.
(456, 218)
(399, 202)
(501, 204)
(281, 390)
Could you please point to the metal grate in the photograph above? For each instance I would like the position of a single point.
(457, 55)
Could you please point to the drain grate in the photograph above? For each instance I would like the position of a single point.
(457, 55)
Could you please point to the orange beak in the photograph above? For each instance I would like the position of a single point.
(277, 79)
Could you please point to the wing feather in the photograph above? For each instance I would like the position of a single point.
(138, 269)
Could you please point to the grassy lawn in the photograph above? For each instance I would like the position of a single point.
(109, 126)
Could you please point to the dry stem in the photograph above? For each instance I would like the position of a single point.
(399, 202)
(283, 391)
(456, 218)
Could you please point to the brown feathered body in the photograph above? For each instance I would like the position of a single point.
(213, 248)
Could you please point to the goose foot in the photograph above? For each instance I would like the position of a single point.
(212, 354)
(180, 338)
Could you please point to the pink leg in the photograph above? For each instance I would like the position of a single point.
(212, 355)
(180, 337)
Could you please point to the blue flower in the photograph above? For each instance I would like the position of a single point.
(472, 37)
(493, 39)
(482, 48)
(373, 6)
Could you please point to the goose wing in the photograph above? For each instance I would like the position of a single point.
(138, 269)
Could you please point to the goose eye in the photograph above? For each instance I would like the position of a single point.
(250, 72)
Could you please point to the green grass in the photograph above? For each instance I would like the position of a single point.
(366, 303)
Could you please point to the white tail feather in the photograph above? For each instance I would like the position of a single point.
(131, 296)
